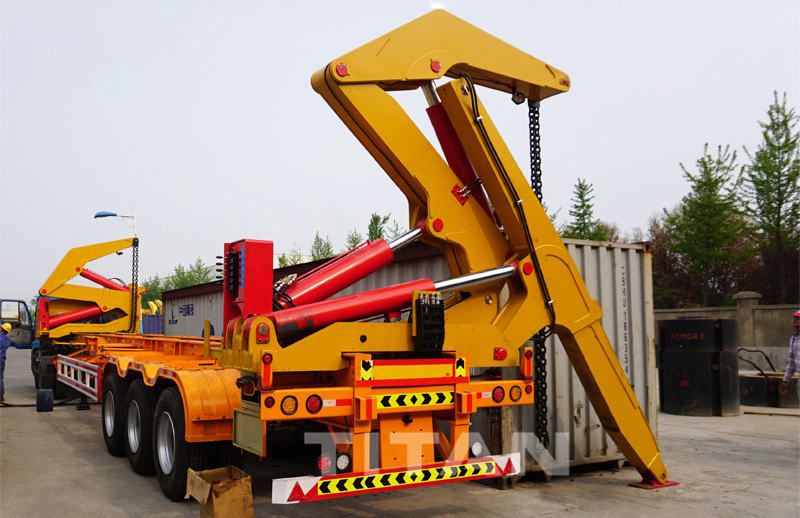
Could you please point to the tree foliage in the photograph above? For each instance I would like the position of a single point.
(708, 223)
(377, 226)
(771, 191)
(353, 239)
(321, 248)
(182, 277)
(293, 257)
(583, 224)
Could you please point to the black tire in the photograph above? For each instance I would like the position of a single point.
(113, 419)
(35, 366)
(47, 373)
(224, 453)
(139, 428)
(172, 455)
(44, 400)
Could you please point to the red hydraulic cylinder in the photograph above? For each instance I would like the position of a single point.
(340, 274)
(74, 316)
(102, 281)
(455, 155)
(294, 322)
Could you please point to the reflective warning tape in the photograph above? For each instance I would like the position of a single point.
(308, 489)
(405, 478)
(415, 399)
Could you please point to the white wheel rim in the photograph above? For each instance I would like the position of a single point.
(165, 443)
(134, 426)
(108, 414)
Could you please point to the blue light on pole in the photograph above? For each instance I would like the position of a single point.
(106, 214)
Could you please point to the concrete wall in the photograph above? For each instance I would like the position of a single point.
(762, 328)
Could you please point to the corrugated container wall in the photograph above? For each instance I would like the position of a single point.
(619, 277)
(186, 310)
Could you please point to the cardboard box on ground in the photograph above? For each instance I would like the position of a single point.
(222, 493)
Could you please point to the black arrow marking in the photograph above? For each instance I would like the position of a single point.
(401, 400)
(386, 401)
(370, 482)
(358, 483)
(323, 488)
(341, 484)
(385, 480)
(426, 398)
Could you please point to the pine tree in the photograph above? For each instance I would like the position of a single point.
(708, 223)
(376, 228)
(321, 248)
(770, 187)
(584, 225)
(353, 239)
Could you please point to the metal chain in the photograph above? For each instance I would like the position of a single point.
(539, 340)
(536, 152)
(540, 388)
(135, 284)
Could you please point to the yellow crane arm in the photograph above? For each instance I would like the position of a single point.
(64, 308)
(515, 230)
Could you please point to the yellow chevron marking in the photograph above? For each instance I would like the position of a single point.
(416, 399)
(404, 478)
(366, 370)
(461, 367)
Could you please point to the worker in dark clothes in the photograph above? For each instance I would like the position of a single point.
(4, 344)
(793, 361)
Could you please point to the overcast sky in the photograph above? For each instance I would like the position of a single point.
(200, 114)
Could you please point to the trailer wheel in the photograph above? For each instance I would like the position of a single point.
(113, 414)
(172, 455)
(139, 428)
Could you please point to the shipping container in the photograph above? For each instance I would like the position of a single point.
(186, 310)
(619, 277)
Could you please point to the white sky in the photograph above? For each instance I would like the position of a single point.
(201, 115)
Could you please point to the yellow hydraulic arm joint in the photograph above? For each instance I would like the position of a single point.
(65, 308)
(437, 47)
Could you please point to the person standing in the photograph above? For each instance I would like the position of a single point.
(793, 361)
(4, 345)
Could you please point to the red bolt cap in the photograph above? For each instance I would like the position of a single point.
(500, 353)
(436, 65)
(341, 69)
(438, 225)
(527, 268)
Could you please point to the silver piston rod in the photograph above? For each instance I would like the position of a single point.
(472, 279)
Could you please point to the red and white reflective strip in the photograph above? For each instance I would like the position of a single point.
(168, 374)
(83, 377)
(294, 490)
(337, 402)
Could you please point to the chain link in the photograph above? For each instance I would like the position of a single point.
(536, 151)
(135, 284)
(540, 388)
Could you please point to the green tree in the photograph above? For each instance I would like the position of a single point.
(353, 239)
(583, 224)
(155, 288)
(321, 248)
(294, 257)
(182, 277)
(771, 191)
(377, 226)
(705, 229)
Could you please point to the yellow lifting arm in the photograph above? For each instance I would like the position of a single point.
(433, 47)
(64, 308)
